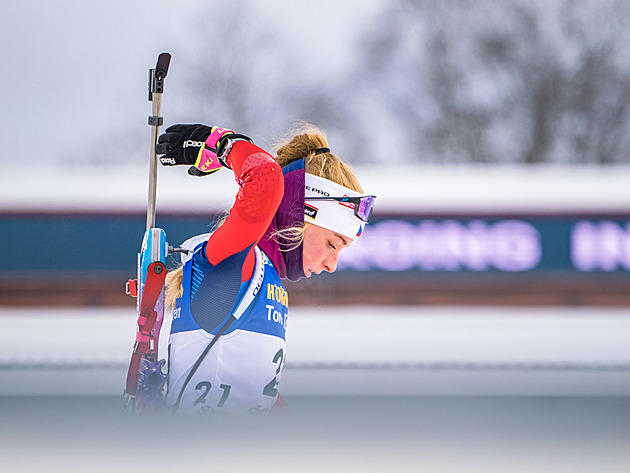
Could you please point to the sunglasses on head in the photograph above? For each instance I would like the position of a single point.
(362, 204)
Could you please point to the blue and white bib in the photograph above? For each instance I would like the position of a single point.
(242, 370)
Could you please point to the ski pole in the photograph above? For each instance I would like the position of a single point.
(156, 88)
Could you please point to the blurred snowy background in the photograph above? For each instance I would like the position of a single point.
(397, 81)
(463, 117)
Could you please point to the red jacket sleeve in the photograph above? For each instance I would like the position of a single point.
(261, 187)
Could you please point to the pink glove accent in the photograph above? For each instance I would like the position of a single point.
(207, 158)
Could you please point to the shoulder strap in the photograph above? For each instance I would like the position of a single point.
(254, 285)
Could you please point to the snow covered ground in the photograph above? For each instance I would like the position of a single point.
(393, 389)
(348, 434)
(387, 351)
(396, 389)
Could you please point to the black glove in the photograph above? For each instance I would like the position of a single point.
(202, 147)
(171, 144)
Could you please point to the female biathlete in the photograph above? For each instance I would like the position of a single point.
(291, 218)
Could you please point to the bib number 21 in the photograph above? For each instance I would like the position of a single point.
(271, 389)
(205, 386)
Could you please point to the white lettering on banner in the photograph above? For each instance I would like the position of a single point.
(600, 246)
(446, 245)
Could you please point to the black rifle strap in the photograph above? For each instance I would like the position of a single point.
(199, 361)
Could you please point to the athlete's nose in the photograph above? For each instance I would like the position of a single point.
(330, 264)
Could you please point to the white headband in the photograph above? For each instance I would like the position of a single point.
(335, 216)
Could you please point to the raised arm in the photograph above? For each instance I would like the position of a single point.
(261, 185)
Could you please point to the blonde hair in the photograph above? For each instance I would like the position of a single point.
(173, 287)
(305, 139)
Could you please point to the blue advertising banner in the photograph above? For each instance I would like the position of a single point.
(410, 244)
(495, 245)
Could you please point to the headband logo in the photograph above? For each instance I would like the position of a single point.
(312, 189)
(310, 211)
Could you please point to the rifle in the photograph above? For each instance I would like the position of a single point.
(146, 379)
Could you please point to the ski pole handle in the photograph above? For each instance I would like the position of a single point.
(156, 89)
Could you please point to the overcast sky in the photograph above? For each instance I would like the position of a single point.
(75, 71)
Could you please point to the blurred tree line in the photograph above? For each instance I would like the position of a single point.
(454, 81)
